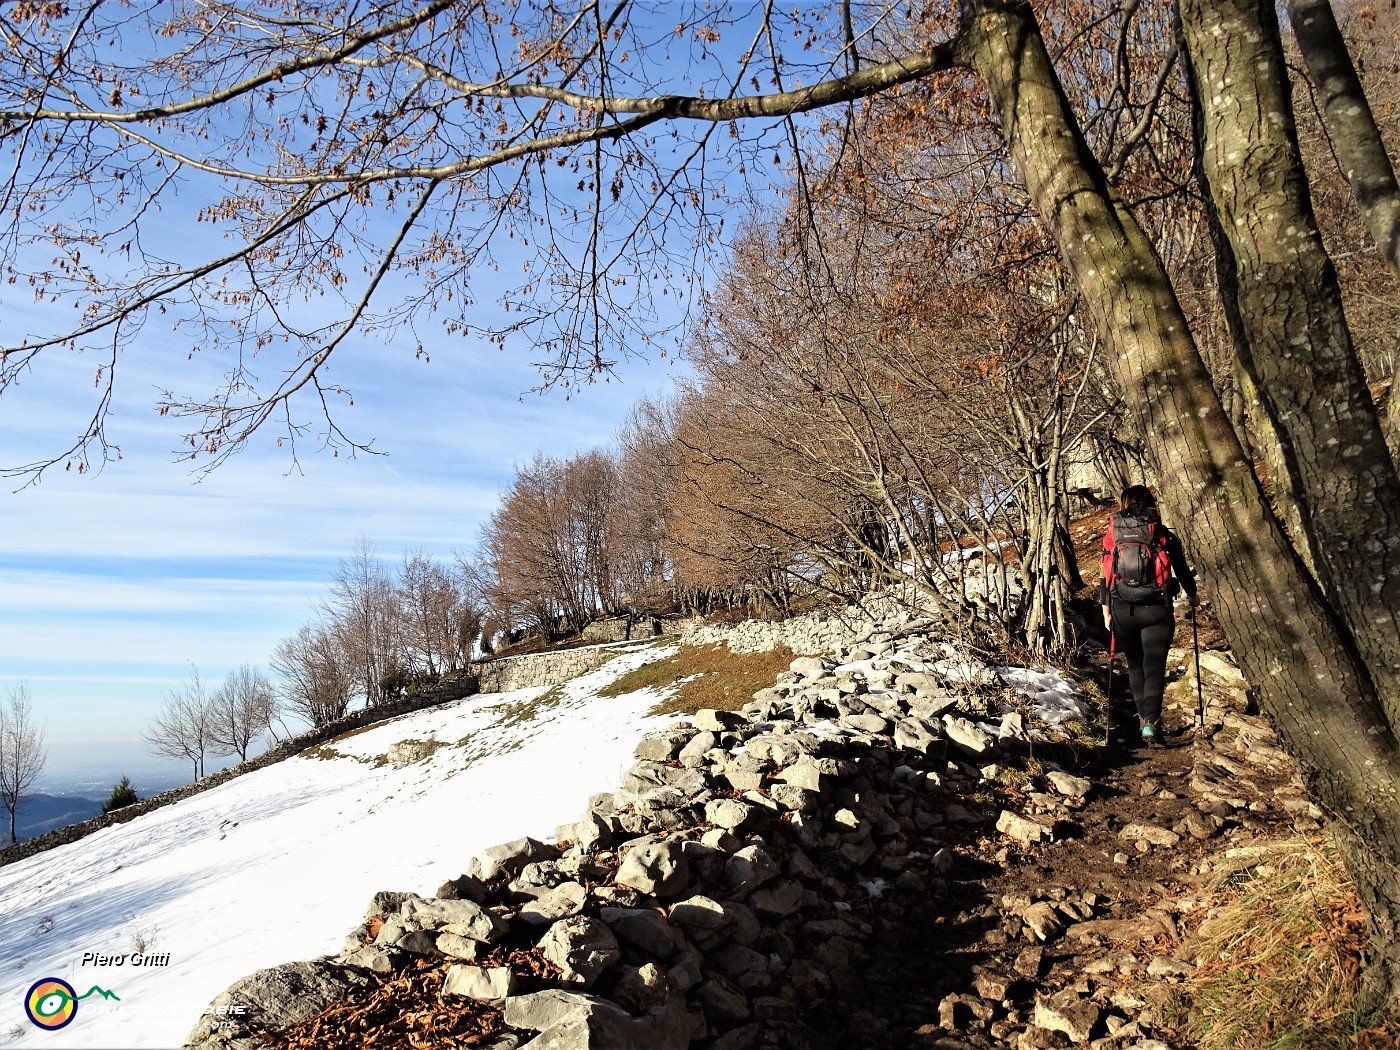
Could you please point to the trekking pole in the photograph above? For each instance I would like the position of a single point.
(1108, 703)
(1200, 693)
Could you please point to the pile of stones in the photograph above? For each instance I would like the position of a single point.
(745, 884)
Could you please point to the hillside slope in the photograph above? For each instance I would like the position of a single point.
(267, 867)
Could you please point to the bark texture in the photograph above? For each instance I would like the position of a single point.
(1286, 316)
(1351, 126)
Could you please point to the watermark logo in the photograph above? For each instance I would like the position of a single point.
(52, 1003)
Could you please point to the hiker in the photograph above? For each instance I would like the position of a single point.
(1144, 567)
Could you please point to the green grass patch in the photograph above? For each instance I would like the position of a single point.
(704, 676)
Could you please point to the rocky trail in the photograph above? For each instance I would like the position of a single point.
(882, 850)
(1052, 938)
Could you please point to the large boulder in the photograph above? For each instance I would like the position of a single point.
(271, 1000)
(659, 869)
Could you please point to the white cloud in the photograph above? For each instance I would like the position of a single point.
(112, 584)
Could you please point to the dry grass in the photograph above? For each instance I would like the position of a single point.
(521, 712)
(1279, 957)
(324, 753)
(704, 676)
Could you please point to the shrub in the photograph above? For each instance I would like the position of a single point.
(123, 794)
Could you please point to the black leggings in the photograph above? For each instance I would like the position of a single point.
(1144, 634)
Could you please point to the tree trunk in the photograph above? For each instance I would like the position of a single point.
(1284, 308)
(1278, 623)
(1257, 429)
(1049, 569)
(1356, 143)
(1351, 126)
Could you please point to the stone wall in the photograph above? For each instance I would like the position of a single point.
(619, 629)
(724, 893)
(535, 669)
(813, 871)
(631, 629)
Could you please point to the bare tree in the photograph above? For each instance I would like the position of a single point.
(638, 517)
(548, 545)
(22, 751)
(440, 615)
(363, 610)
(744, 512)
(317, 678)
(240, 711)
(1351, 124)
(1347, 144)
(879, 415)
(333, 115)
(182, 728)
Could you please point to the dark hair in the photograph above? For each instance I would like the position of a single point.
(1137, 498)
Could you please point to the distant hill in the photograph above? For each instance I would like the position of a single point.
(37, 814)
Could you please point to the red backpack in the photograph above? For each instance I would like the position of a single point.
(1136, 567)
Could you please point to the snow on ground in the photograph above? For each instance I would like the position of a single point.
(278, 865)
(1054, 698)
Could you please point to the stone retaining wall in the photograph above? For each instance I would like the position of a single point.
(534, 669)
(632, 629)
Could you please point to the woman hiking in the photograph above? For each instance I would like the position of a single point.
(1144, 566)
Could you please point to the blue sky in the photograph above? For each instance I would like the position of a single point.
(113, 584)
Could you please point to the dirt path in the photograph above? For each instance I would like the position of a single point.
(1050, 944)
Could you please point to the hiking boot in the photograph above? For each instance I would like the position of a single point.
(1152, 736)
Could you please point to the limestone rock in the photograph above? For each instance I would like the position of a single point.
(663, 745)
(729, 813)
(1070, 786)
(657, 868)
(1023, 829)
(466, 918)
(642, 928)
(750, 869)
(489, 985)
(917, 733)
(581, 947)
(1149, 833)
(276, 998)
(566, 899)
(1068, 1013)
(1044, 921)
(808, 666)
(970, 738)
(710, 720)
(510, 857)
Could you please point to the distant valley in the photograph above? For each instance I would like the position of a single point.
(37, 814)
(78, 795)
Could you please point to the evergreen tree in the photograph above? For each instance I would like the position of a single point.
(123, 794)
